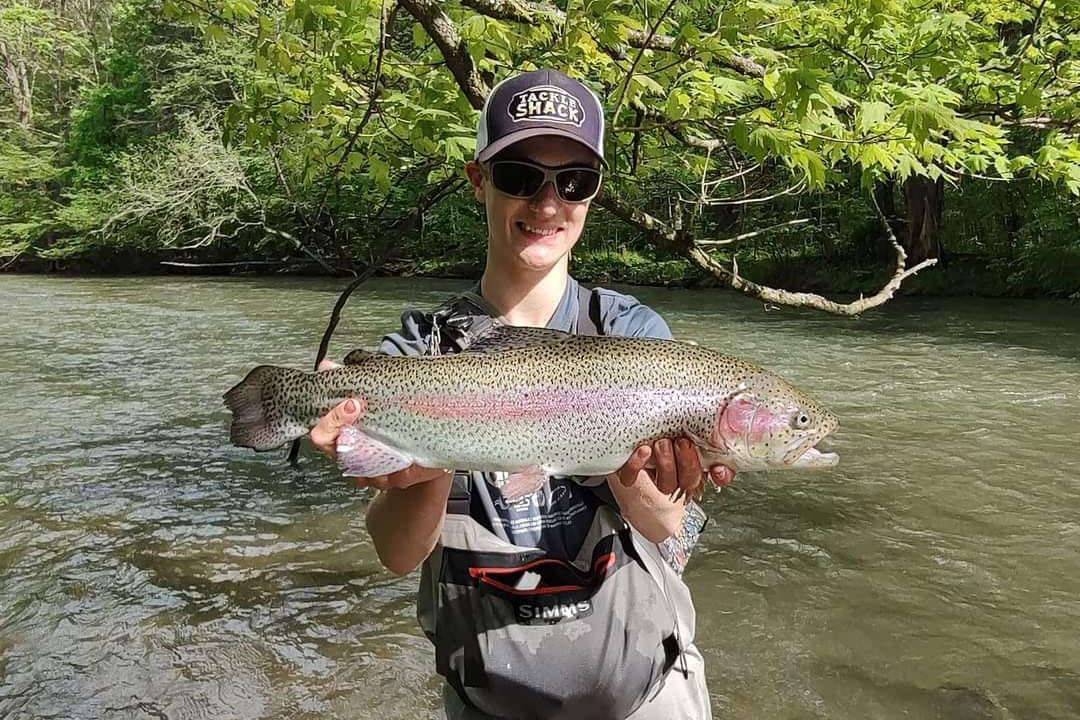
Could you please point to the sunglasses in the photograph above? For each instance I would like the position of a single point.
(520, 179)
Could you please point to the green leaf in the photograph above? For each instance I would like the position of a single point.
(875, 155)
(872, 113)
(811, 163)
(234, 116)
(769, 82)
(908, 165)
(648, 83)
(379, 172)
(215, 33)
(419, 35)
(319, 98)
(1031, 98)
(1001, 164)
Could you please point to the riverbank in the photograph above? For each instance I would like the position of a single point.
(956, 276)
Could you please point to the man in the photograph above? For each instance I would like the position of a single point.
(574, 614)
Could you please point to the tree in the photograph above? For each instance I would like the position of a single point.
(31, 41)
(702, 99)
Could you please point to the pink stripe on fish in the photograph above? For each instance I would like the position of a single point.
(528, 404)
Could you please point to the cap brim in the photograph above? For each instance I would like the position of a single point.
(506, 141)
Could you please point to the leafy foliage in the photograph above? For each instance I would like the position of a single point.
(340, 117)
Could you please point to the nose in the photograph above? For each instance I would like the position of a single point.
(546, 200)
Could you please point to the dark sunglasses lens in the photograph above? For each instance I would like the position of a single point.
(516, 179)
(577, 184)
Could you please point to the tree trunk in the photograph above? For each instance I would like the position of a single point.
(19, 83)
(925, 201)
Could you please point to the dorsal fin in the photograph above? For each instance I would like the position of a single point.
(494, 336)
(358, 356)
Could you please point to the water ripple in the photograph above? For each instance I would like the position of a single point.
(147, 569)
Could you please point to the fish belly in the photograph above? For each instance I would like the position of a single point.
(562, 432)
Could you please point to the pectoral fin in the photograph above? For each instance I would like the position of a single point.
(359, 455)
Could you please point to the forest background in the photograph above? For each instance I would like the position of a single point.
(753, 143)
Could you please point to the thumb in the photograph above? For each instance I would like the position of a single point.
(326, 430)
(628, 473)
(345, 413)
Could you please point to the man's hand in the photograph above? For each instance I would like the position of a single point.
(677, 468)
(324, 437)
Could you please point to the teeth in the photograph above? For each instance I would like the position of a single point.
(540, 231)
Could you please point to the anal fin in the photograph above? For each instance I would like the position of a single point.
(522, 483)
(359, 455)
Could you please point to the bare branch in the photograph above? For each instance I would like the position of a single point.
(440, 28)
(666, 236)
(735, 175)
(755, 233)
(793, 190)
(234, 264)
(527, 11)
(285, 235)
(708, 144)
(862, 63)
(637, 59)
(373, 96)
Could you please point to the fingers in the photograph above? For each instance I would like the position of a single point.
(628, 473)
(721, 475)
(667, 474)
(325, 365)
(689, 472)
(326, 430)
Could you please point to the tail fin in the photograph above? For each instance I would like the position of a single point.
(260, 417)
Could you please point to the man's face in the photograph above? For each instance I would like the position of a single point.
(532, 233)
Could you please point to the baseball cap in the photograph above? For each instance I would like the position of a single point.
(540, 102)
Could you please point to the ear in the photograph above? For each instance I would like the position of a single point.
(476, 178)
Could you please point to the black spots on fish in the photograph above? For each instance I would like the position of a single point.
(683, 386)
(258, 421)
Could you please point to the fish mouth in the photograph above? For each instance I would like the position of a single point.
(814, 458)
(815, 452)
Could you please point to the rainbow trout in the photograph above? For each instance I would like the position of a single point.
(532, 402)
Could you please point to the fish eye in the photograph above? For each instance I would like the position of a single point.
(801, 421)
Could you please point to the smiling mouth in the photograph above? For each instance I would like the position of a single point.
(542, 230)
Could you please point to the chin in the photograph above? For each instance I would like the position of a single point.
(541, 256)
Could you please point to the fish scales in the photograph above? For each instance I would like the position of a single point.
(565, 404)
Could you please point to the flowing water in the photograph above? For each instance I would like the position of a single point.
(150, 570)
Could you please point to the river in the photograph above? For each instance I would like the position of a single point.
(150, 570)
